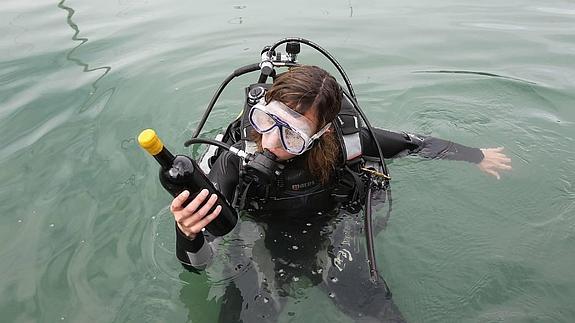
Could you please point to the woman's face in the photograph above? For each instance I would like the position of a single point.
(272, 141)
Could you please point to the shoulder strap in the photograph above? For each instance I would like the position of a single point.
(348, 125)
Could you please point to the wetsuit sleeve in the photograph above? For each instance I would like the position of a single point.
(196, 254)
(395, 144)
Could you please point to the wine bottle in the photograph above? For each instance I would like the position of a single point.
(179, 173)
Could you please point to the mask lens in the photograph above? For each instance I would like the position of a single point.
(294, 143)
(261, 121)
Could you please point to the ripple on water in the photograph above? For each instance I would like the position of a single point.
(495, 26)
(35, 134)
(557, 11)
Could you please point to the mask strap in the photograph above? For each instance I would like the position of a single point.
(320, 132)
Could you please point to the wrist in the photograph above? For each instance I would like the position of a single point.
(184, 231)
(192, 244)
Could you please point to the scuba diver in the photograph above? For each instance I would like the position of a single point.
(318, 164)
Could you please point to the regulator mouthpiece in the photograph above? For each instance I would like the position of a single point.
(263, 167)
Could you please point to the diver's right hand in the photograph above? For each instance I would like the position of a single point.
(192, 219)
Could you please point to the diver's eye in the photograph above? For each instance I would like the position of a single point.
(293, 139)
(261, 121)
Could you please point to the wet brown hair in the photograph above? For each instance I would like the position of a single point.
(310, 87)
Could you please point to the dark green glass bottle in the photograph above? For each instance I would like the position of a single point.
(179, 173)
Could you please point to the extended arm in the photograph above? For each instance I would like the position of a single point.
(395, 144)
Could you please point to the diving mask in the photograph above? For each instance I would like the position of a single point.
(296, 131)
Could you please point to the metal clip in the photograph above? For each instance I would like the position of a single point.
(375, 173)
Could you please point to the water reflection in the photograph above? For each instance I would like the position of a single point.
(477, 73)
(79, 62)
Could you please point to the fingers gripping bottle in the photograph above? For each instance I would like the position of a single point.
(179, 173)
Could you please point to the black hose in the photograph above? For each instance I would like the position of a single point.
(321, 50)
(372, 133)
(207, 141)
(369, 237)
(240, 71)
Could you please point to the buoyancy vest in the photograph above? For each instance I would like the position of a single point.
(296, 186)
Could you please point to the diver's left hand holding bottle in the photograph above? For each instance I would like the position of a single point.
(179, 173)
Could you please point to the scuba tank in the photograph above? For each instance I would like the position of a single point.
(179, 173)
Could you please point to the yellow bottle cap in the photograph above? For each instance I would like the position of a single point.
(148, 139)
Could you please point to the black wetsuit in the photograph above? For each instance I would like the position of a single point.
(305, 244)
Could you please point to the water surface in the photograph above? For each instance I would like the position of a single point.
(85, 232)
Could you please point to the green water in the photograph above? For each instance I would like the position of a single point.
(85, 232)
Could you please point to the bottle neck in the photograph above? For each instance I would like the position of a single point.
(165, 158)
